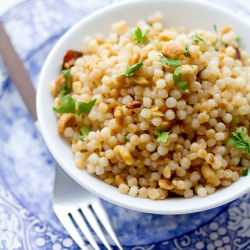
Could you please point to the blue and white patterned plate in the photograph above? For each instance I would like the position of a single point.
(27, 220)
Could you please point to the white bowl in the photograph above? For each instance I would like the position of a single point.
(190, 14)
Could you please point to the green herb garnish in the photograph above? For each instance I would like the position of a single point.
(67, 87)
(186, 53)
(240, 140)
(238, 39)
(126, 139)
(235, 119)
(172, 63)
(245, 172)
(162, 135)
(85, 108)
(139, 36)
(215, 29)
(178, 82)
(85, 131)
(197, 39)
(133, 68)
(70, 105)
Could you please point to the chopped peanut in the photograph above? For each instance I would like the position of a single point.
(165, 184)
(66, 120)
(119, 180)
(119, 117)
(210, 175)
(189, 72)
(173, 49)
(122, 154)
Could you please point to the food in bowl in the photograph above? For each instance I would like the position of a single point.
(157, 111)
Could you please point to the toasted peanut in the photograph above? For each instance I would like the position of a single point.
(137, 80)
(239, 169)
(165, 126)
(126, 81)
(173, 49)
(66, 120)
(107, 46)
(163, 109)
(119, 117)
(166, 36)
(57, 84)
(178, 191)
(167, 172)
(157, 113)
(108, 181)
(163, 194)
(92, 61)
(223, 105)
(225, 30)
(189, 72)
(210, 175)
(165, 184)
(134, 59)
(119, 180)
(123, 155)
(145, 50)
(164, 162)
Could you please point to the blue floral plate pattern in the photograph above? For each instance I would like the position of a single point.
(27, 220)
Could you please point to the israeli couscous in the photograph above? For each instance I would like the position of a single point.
(157, 111)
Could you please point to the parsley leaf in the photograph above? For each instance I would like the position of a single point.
(67, 87)
(139, 36)
(240, 140)
(238, 39)
(69, 106)
(197, 39)
(162, 135)
(85, 131)
(245, 172)
(133, 68)
(215, 29)
(178, 82)
(186, 53)
(235, 119)
(172, 63)
(84, 107)
(126, 139)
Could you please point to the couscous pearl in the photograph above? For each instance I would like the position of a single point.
(146, 113)
(171, 102)
(93, 158)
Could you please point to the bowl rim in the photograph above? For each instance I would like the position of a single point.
(174, 206)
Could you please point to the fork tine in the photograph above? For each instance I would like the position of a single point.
(103, 217)
(84, 228)
(70, 227)
(88, 213)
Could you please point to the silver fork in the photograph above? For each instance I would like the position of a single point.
(71, 202)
